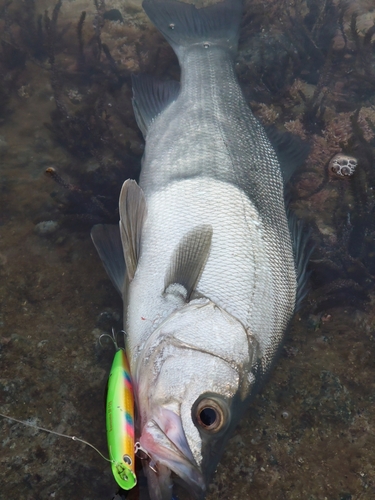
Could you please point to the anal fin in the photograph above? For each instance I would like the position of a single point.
(302, 249)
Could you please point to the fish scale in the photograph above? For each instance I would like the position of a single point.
(238, 152)
(228, 278)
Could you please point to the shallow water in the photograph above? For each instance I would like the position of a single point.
(310, 433)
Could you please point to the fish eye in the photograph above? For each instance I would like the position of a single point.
(209, 415)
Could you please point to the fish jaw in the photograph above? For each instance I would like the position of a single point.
(160, 485)
(169, 393)
(165, 442)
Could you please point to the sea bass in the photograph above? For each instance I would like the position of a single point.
(205, 264)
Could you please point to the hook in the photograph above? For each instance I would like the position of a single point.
(114, 338)
(152, 464)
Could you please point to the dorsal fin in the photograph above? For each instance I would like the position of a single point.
(107, 241)
(150, 97)
(189, 258)
(290, 149)
(133, 211)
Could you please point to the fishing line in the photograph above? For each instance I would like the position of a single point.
(73, 438)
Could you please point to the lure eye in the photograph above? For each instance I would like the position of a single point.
(210, 415)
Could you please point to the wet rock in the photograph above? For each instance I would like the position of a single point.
(108, 319)
(47, 227)
(113, 15)
(335, 398)
(3, 145)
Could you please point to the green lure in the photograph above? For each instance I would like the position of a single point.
(120, 422)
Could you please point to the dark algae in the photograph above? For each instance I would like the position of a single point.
(68, 139)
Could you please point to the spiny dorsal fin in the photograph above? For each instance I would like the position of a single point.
(150, 98)
(189, 258)
(107, 241)
(133, 212)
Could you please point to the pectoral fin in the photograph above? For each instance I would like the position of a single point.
(189, 258)
(133, 210)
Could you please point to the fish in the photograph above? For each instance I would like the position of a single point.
(209, 264)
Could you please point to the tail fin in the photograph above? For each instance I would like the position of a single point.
(183, 24)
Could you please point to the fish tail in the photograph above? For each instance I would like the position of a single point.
(182, 24)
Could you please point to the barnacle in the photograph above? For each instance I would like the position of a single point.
(343, 165)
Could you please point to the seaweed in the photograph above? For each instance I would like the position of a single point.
(306, 68)
(24, 38)
(85, 131)
(88, 122)
(294, 44)
(294, 72)
(80, 53)
(312, 73)
(32, 36)
(83, 124)
(93, 197)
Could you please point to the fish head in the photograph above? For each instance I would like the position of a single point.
(193, 379)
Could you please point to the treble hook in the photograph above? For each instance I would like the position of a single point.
(152, 464)
(113, 338)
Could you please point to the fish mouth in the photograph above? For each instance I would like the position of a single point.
(165, 443)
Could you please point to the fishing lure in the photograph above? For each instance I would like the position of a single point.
(120, 421)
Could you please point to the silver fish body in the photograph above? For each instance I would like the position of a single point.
(211, 276)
